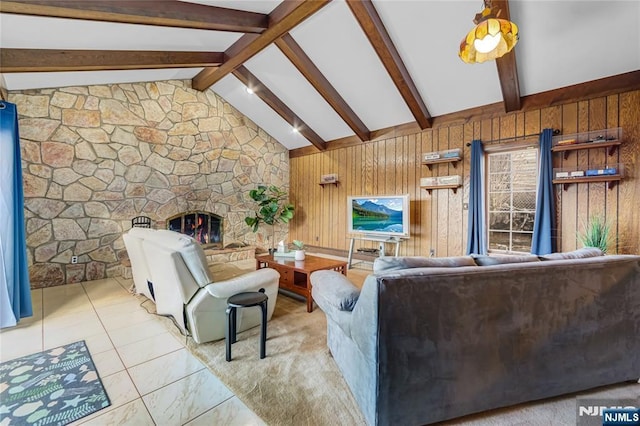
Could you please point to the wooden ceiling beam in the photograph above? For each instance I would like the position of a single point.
(263, 92)
(50, 60)
(167, 13)
(578, 92)
(282, 19)
(370, 22)
(310, 71)
(507, 67)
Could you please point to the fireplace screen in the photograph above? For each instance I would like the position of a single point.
(206, 228)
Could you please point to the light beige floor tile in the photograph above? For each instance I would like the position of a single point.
(126, 283)
(107, 362)
(71, 328)
(159, 372)
(186, 399)
(126, 314)
(148, 349)
(106, 292)
(96, 343)
(16, 342)
(63, 322)
(231, 412)
(133, 413)
(144, 330)
(58, 301)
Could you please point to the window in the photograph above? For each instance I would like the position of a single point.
(512, 182)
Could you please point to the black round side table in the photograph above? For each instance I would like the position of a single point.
(246, 300)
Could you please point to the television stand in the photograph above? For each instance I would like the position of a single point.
(383, 241)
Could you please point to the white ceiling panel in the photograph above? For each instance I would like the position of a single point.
(260, 6)
(234, 92)
(334, 41)
(274, 70)
(566, 42)
(45, 80)
(17, 31)
(428, 42)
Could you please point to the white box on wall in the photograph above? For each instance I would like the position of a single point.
(449, 180)
(428, 181)
(330, 178)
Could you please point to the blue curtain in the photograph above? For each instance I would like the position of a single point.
(543, 242)
(15, 295)
(477, 237)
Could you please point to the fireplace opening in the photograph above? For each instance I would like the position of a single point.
(205, 227)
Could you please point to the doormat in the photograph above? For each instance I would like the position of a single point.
(54, 387)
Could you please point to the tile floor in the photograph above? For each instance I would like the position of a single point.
(149, 375)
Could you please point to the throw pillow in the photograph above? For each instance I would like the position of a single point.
(576, 254)
(388, 263)
(482, 260)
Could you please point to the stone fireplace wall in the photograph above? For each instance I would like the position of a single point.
(94, 157)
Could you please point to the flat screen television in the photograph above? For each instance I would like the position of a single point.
(379, 216)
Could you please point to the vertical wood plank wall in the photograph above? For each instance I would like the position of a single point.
(438, 221)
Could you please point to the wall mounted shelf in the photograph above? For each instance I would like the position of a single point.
(452, 187)
(452, 160)
(322, 184)
(611, 180)
(448, 156)
(610, 145)
(607, 138)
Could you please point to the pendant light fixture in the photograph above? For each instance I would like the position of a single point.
(491, 38)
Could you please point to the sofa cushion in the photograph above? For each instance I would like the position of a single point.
(388, 263)
(576, 254)
(482, 260)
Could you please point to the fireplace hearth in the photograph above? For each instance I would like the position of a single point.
(205, 227)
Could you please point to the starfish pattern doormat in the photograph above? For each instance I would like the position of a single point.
(54, 387)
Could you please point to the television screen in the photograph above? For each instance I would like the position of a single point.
(379, 215)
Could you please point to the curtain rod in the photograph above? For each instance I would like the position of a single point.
(515, 138)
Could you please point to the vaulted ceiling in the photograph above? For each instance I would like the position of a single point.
(336, 70)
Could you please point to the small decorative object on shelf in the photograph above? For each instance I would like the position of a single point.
(447, 156)
(610, 173)
(441, 182)
(330, 179)
(607, 138)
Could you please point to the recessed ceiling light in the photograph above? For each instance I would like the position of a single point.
(295, 130)
(249, 90)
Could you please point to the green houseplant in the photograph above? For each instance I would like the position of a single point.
(272, 207)
(596, 233)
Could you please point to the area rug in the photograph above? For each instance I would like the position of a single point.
(299, 383)
(55, 387)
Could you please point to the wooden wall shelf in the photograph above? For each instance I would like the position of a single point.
(322, 184)
(452, 187)
(452, 160)
(611, 146)
(611, 180)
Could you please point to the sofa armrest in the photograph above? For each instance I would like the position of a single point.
(331, 288)
(251, 281)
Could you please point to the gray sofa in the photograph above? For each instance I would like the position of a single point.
(426, 340)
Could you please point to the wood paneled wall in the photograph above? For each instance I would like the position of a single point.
(439, 220)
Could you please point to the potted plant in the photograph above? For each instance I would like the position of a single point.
(273, 207)
(299, 250)
(596, 234)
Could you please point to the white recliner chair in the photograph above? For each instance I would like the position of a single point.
(139, 268)
(185, 288)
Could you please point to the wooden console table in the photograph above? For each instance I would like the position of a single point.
(295, 274)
